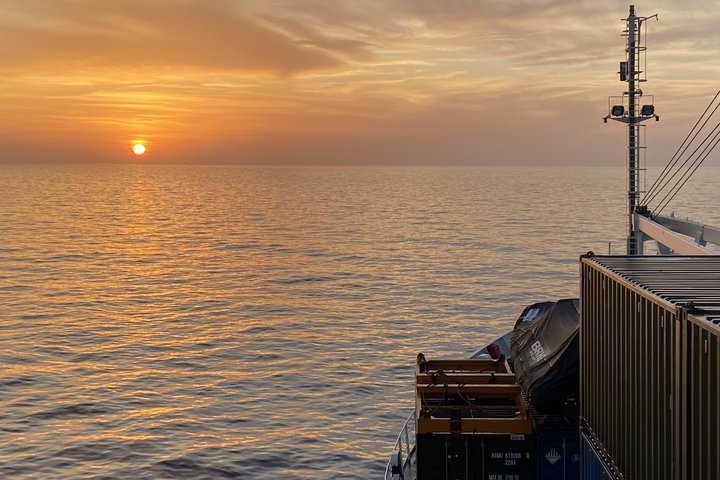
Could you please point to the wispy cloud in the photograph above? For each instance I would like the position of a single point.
(84, 34)
(454, 80)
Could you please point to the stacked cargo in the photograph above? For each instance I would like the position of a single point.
(650, 371)
(472, 421)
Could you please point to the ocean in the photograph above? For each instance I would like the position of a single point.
(261, 323)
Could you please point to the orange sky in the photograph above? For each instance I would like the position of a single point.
(355, 81)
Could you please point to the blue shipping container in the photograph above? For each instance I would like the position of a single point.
(593, 467)
(559, 456)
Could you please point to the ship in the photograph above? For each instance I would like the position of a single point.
(621, 383)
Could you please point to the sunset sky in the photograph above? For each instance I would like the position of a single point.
(356, 81)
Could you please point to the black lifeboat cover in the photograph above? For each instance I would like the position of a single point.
(546, 354)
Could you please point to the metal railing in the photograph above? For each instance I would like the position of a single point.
(683, 237)
(404, 447)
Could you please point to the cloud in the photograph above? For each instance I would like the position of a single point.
(212, 35)
(316, 80)
(285, 38)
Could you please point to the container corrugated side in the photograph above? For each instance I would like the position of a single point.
(701, 336)
(628, 355)
(650, 364)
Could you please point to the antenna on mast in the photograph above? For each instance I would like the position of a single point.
(632, 108)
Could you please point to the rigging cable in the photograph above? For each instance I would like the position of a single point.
(679, 170)
(712, 132)
(670, 165)
(679, 186)
(656, 186)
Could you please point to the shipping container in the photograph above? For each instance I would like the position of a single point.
(594, 464)
(475, 457)
(649, 364)
(558, 444)
(472, 422)
(558, 455)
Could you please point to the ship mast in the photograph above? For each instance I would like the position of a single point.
(632, 109)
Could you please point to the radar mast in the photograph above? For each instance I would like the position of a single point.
(632, 108)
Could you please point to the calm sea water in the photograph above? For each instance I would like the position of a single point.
(234, 322)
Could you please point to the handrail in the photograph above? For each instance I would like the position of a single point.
(702, 233)
(408, 433)
(668, 237)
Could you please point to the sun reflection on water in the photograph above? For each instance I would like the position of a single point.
(263, 322)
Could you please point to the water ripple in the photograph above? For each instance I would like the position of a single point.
(228, 322)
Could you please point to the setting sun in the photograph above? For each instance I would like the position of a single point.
(138, 149)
